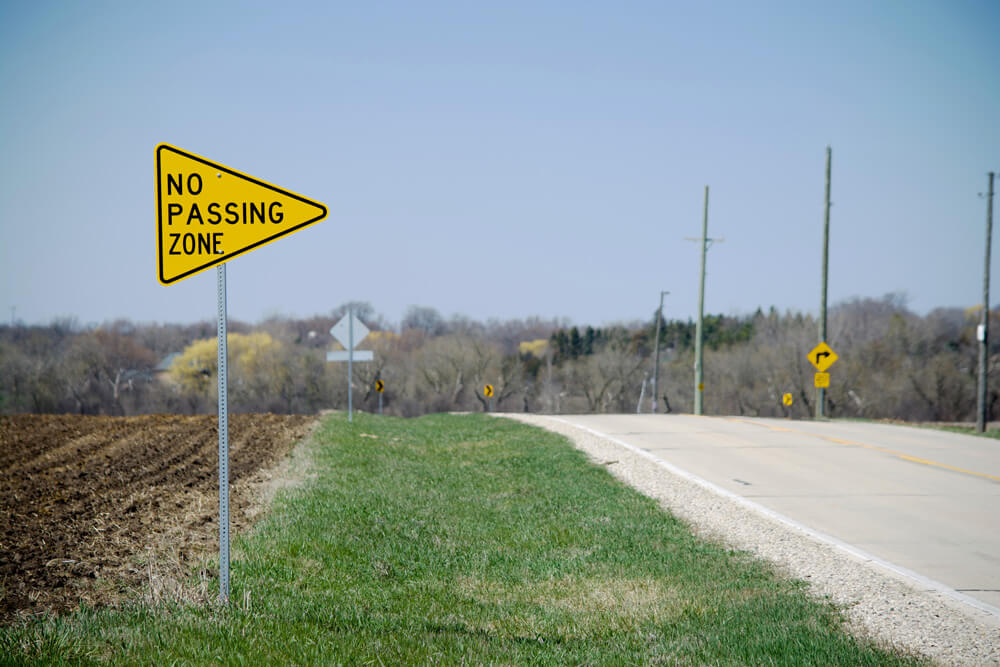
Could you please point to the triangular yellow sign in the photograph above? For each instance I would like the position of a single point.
(207, 213)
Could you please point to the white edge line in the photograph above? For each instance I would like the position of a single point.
(920, 579)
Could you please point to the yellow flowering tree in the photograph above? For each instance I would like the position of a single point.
(254, 359)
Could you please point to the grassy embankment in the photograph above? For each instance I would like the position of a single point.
(970, 430)
(466, 538)
(966, 429)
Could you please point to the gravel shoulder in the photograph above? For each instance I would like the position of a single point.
(878, 603)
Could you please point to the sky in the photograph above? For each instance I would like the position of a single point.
(505, 160)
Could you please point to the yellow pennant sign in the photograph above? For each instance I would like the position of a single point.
(207, 213)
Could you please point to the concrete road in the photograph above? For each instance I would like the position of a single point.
(926, 500)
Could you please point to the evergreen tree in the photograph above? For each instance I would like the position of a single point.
(575, 343)
(588, 341)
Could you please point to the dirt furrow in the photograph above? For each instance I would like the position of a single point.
(85, 497)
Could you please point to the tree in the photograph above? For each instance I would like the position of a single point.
(575, 343)
(124, 363)
(425, 319)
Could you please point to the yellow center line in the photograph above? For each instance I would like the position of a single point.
(884, 450)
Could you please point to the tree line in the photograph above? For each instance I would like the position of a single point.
(893, 364)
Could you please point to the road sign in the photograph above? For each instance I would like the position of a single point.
(488, 390)
(349, 331)
(701, 386)
(787, 399)
(208, 213)
(821, 380)
(379, 386)
(342, 355)
(822, 357)
(342, 333)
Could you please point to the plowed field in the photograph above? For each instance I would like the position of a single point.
(93, 506)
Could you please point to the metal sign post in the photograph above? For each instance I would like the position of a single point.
(190, 191)
(350, 361)
(344, 333)
(223, 438)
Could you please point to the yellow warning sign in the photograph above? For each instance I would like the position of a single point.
(207, 213)
(379, 386)
(787, 399)
(821, 380)
(488, 390)
(822, 357)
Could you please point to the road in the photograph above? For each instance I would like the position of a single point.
(922, 499)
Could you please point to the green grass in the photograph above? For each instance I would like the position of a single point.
(466, 539)
(968, 430)
(951, 428)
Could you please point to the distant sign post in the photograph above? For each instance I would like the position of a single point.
(206, 214)
(488, 393)
(379, 388)
(348, 332)
(822, 357)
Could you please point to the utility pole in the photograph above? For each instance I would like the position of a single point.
(821, 392)
(984, 328)
(699, 384)
(656, 364)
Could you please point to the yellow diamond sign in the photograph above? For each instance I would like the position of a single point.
(207, 213)
(822, 357)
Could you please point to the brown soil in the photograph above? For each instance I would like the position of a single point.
(93, 507)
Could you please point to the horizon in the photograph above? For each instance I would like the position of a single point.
(395, 324)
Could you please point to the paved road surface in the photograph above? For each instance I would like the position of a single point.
(926, 500)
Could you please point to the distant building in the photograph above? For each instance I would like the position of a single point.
(161, 369)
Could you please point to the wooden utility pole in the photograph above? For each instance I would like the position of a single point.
(699, 384)
(983, 334)
(821, 392)
(699, 377)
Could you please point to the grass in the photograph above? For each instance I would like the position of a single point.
(466, 539)
(968, 430)
(951, 428)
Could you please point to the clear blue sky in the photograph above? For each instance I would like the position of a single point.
(504, 159)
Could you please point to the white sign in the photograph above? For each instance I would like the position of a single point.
(359, 355)
(341, 331)
(349, 331)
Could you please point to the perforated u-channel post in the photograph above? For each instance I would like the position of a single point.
(350, 362)
(223, 440)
